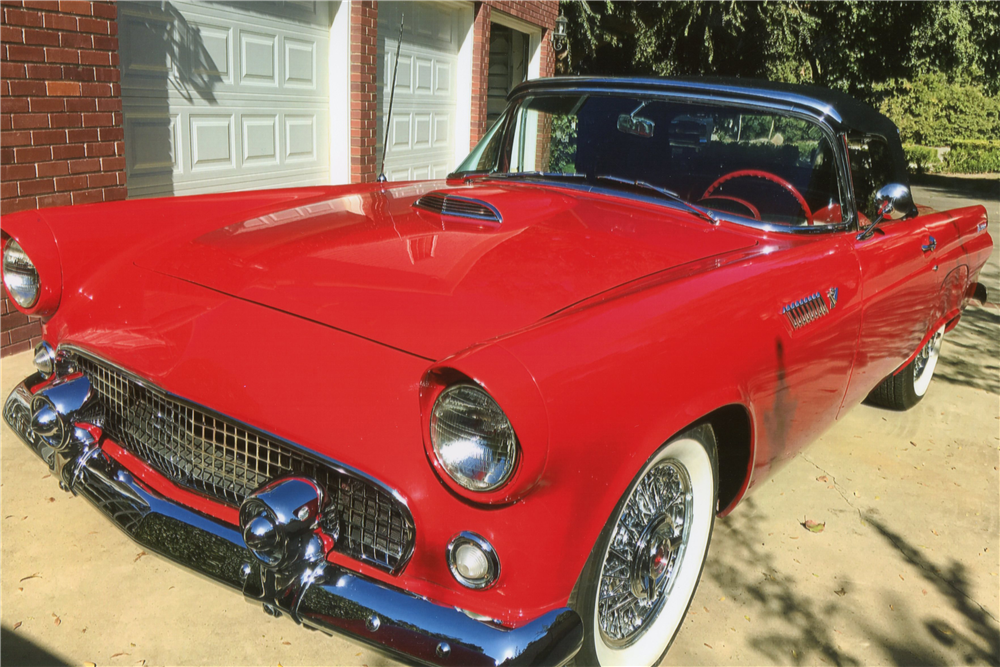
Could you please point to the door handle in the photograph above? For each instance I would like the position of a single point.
(931, 245)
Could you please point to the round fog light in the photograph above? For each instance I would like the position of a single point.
(473, 561)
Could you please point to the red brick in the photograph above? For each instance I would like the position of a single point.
(10, 35)
(8, 190)
(14, 105)
(20, 52)
(32, 155)
(62, 88)
(26, 88)
(112, 134)
(44, 5)
(49, 169)
(60, 22)
(81, 104)
(68, 152)
(82, 136)
(18, 334)
(84, 166)
(15, 205)
(105, 10)
(4, 122)
(43, 137)
(17, 172)
(44, 71)
(98, 119)
(43, 37)
(98, 26)
(101, 180)
(88, 197)
(29, 121)
(75, 40)
(23, 346)
(96, 89)
(108, 74)
(75, 7)
(66, 120)
(95, 58)
(39, 187)
(100, 150)
(21, 17)
(117, 193)
(109, 104)
(112, 163)
(71, 183)
(106, 43)
(13, 320)
(57, 55)
(46, 104)
(58, 199)
(74, 73)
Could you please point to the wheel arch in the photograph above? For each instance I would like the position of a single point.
(734, 443)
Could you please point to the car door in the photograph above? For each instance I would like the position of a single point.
(898, 281)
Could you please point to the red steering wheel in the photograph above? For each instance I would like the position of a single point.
(767, 176)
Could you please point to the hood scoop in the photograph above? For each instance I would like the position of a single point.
(456, 206)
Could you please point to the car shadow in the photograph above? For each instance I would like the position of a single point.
(16, 649)
(807, 625)
(986, 187)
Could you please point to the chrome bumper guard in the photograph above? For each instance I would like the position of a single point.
(324, 597)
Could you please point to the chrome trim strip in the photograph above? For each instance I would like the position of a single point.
(322, 459)
(328, 597)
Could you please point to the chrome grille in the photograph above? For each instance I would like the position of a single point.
(462, 207)
(806, 310)
(226, 460)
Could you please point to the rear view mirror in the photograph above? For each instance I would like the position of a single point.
(637, 125)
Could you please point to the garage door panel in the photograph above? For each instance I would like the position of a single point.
(221, 96)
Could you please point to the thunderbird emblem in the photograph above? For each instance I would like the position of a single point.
(831, 296)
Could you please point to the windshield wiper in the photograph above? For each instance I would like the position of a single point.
(669, 194)
(533, 174)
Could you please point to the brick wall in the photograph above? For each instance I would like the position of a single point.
(364, 91)
(61, 137)
(536, 12)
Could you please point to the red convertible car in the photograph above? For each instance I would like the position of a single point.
(491, 419)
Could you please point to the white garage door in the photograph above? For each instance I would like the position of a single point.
(422, 128)
(225, 96)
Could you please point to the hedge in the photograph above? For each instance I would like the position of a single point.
(921, 158)
(973, 157)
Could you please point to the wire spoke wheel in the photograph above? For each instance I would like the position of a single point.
(646, 548)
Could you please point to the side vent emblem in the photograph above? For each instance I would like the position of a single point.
(458, 207)
(807, 310)
(831, 296)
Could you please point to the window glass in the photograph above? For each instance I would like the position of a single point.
(871, 169)
(765, 166)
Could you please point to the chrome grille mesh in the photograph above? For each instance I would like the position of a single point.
(226, 460)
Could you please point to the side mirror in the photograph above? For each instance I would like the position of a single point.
(892, 201)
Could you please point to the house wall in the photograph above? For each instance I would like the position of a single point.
(61, 137)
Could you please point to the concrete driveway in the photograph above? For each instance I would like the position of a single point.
(905, 571)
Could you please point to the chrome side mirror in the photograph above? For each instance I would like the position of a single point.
(892, 201)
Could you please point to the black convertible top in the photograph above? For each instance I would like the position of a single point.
(839, 110)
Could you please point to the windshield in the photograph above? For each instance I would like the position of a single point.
(738, 161)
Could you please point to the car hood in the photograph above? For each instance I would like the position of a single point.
(372, 264)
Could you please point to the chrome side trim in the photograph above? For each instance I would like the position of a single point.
(324, 597)
(805, 311)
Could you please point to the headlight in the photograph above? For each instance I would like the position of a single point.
(472, 438)
(20, 275)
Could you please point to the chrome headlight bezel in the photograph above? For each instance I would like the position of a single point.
(483, 418)
(17, 264)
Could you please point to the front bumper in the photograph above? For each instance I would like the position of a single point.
(325, 597)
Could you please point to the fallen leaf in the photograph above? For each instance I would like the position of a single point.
(813, 526)
(891, 608)
(706, 609)
(822, 478)
(707, 645)
(924, 591)
(115, 655)
(17, 625)
(913, 443)
(139, 555)
(841, 592)
(32, 576)
(90, 664)
(57, 621)
(287, 643)
(20, 589)
(52, 500)
(746, 617)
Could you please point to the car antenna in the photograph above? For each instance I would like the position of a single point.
(392, 94)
